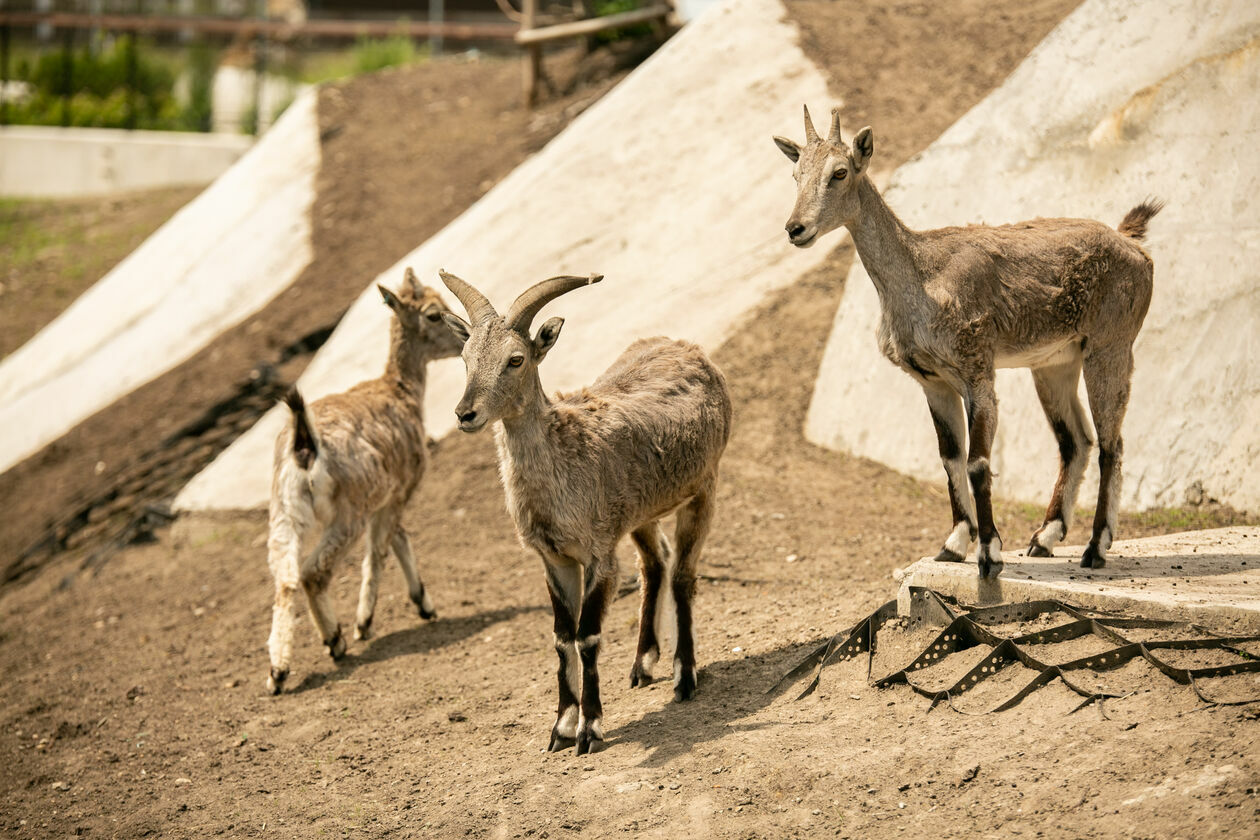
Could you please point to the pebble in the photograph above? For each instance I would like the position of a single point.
(674, 786)
(182, 781)
(60, 786)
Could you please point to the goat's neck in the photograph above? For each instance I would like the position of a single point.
(525, 440)
(886, 247)
(406, 371)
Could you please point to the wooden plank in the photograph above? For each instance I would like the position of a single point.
(590, 26)
(533, 55)
(272, 28)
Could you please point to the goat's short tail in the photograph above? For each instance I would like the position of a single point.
(304, 446)
(1134, 224)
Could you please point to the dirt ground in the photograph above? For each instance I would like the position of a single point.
(133, 694)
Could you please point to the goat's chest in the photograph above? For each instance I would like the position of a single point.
(908, 349)
(549, 516)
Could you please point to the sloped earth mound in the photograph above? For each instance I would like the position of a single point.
(134, 702)
(403, 153)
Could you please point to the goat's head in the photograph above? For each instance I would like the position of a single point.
(826, 172)
(500, 356)
(417, 324)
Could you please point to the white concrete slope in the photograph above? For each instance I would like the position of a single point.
(670, 186)
(217, 261)
(1118, 103)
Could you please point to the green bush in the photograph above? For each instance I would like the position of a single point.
(372, 54)
(98, 90)
(613, 7)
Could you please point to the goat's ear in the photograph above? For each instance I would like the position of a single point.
(863, 148)
(457, 325)
(391, 299)
(788, 148)
(546, 337)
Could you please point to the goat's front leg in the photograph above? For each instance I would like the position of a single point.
(946, 407)
(316, 573)
(982, 421)
(599, 591)
(1107, 380)
(564, 584)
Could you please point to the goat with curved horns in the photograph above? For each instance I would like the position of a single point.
(579, 473)
(1057, 296)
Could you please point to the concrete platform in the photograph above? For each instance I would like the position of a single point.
(1210, 578)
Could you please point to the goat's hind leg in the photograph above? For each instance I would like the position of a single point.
(1056, 388)
(946, 408)
(1107, 380)
(415, 586)
(653, 562)
(316, 574)
(380, 532)
(692, 527)
(283, 553)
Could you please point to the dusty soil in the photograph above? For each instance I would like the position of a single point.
(404, 152)
(51, 251)
(133, 694)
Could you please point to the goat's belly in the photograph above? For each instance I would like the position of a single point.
(1043, 355)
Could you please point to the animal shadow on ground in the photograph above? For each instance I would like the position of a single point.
(417, 639)
(729, 689)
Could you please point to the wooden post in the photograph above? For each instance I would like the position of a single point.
(4, 74)
(533, 52)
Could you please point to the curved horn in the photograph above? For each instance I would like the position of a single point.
(833, 136)
(522, 313)
(479, 309)
(810, 134)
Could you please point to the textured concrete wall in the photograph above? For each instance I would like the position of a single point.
(213, 264)
(52, 162)
(669, 186)
(1114, 106)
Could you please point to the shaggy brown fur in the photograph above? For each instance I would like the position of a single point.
(643, 441)
(350, 462)
(1058, 296)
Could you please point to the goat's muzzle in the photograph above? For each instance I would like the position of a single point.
(469, 419)
(799, 235)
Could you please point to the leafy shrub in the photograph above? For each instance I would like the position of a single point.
(372, 54)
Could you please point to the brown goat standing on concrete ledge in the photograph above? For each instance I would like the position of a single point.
(641, 442)
(348, 462)
(1053, 295)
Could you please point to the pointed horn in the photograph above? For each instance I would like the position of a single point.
(522, 313)
(833, 136)
(479, 309)
(810, 134)
(409, 277)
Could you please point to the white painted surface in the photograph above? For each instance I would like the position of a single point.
(217, 261)
(670, 186)
(55, 162)
(1112, 107)
(1208, 577)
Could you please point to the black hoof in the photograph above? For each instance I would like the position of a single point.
(559, 742)
(685, 690)
(275, 680)
(363, 631)
(588, 742)
(426, 614)
(336, 645)
(1036, 549)
(1092, 558)
(947, 556)
(639, 676)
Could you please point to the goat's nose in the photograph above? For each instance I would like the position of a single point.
(794, 229)
(466, 417)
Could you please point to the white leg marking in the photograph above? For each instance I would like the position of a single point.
(426, 603)
(995, 550)
(589, 642)
(1050, 534)
(956, 469)
(566, 726)
(959, 539)
(572, 666)
(648, 661)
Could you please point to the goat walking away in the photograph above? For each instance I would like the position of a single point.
(351, 462)
(1058, 296)
(579, 473)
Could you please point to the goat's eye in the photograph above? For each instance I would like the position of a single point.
(839, 175)
(433, 315)
(516, 361)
